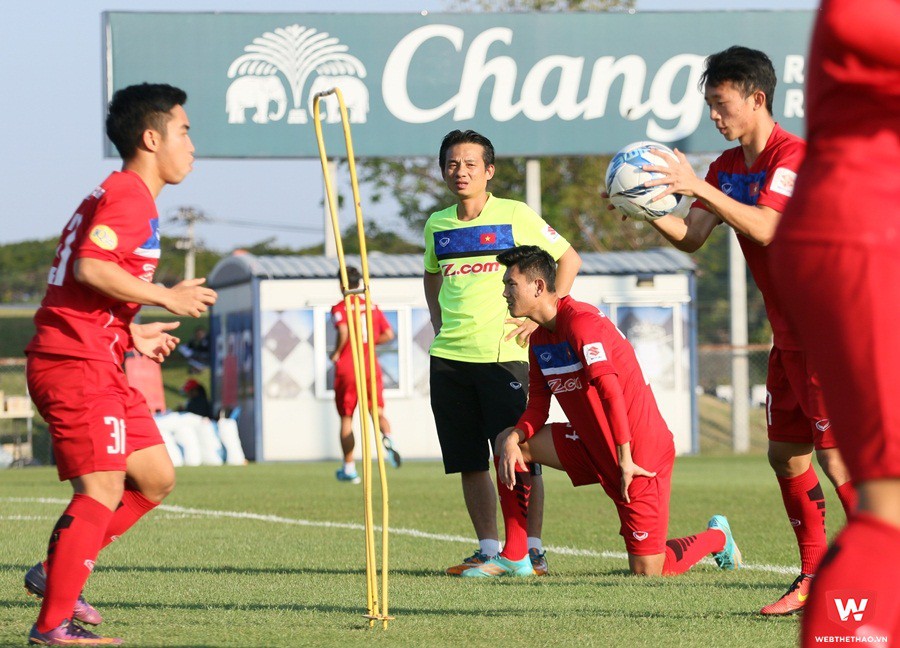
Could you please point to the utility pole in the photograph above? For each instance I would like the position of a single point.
(189, 216)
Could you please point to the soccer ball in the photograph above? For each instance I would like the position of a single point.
(625, 182)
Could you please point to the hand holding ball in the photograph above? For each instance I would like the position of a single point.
(625, 180)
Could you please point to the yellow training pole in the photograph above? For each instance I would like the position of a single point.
(364, 368)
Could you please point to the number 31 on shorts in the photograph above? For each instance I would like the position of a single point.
(117, 433)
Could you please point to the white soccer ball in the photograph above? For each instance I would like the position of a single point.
(625, 181)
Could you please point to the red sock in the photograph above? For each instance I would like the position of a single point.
(132, 508)
(846, 492)
(684, 553)
(859, 567)
(804, 502)
(514, 506)
(73, 547)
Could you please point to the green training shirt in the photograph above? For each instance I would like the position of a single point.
(473, 311)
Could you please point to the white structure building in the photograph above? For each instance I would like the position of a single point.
(272, 334)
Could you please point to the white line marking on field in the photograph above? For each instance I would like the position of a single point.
(186, 512)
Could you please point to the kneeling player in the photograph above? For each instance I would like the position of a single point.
(616, 436)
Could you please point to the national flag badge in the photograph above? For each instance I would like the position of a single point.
(104, 237)
(550, 234)
(488, 238)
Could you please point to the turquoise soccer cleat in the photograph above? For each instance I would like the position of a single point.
(730, 556)
(501, 566)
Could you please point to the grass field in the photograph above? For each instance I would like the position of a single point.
(267, 555)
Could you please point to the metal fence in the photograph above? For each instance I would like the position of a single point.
(716, 396)
(23, 435)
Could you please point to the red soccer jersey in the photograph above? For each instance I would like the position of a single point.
(339, 317)
(769, 182)
(567, 361)
(118, 222)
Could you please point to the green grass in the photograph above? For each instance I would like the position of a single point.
(193, 579)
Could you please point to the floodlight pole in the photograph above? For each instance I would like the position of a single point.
(533, 184)
(740, 364)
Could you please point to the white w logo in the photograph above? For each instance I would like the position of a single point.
(845, 609)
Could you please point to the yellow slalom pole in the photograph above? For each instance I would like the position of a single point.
(364, 368)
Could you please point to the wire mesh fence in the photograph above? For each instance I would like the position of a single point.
(716, 397)
(23, 436)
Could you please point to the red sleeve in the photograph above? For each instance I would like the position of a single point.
(538, 408)
(118, 228)
(380, 322)
(613, 399)
(589, 335)
(338, 315)
(781, 176)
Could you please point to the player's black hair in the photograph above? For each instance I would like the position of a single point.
(135, 109)
(531, 261)
(353, 277)
(466, 137)
(748, 69)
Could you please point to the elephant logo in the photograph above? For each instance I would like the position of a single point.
(257, 92)
(286, 58)
(356, 98)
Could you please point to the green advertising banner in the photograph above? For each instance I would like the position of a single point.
(536, 84)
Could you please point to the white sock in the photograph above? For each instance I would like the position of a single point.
(489, 547)
(535, 543)
(350, 467)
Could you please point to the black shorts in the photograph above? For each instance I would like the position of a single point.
(473, 402)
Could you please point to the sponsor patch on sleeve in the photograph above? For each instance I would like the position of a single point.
(783, 181)
(551, 234)
(104, 237)
(594, 352)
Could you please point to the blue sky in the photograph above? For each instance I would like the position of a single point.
(52, 117)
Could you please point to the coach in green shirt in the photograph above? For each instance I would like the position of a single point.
(479, 358)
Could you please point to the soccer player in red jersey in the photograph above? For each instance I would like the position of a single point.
(615, 436)
(345, 396)
(105, 441)
(748, 188)
(838, 249)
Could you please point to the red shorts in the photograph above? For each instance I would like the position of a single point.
(345, 396)
(96, 418)
(844, 299)
(645, 520)
(795, 406)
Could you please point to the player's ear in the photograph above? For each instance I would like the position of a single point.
(489, 171)
(150, 139)
(759, 100)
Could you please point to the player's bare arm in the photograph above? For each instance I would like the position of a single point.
(153, 340)
(509, 455)
(433, 282)
(343, 335)
(385, 337)
(630, 470)
(567, 267)
(188, 297)
(758, 223)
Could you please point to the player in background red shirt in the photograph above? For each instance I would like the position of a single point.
(345, 395)
(838, 248)
(615, 436)
(748, 188)
(104, 439)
